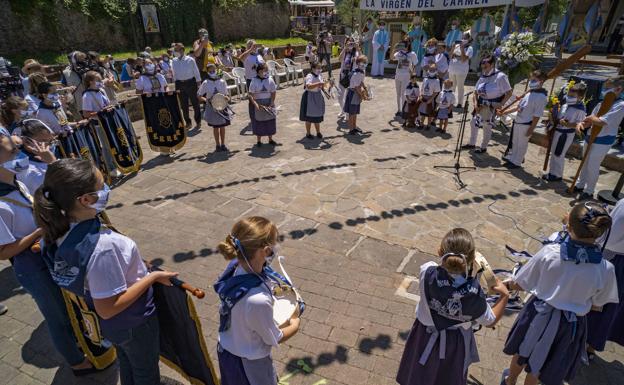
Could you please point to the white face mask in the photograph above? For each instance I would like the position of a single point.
(432, 73)
(99, 84)
(179, 54)
(571, 100)
(270, 258)
(431, 49)
(534, 84)
(453, 27)
(150, 68)
(362, 66)
(381, 27)
(316, 71)
(464, 41)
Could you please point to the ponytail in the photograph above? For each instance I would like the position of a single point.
(65, 181)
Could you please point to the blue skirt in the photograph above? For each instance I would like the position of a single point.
(449, 371)
(239, 371)
(351, 109)
(608, 324)
(565, 353)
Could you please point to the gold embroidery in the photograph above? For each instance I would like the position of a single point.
(121, 134)
(164, 118)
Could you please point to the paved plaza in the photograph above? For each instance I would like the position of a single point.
(358, 215)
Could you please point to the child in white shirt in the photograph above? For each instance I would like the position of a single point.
(445, 102)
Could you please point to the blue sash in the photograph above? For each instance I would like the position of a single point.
(575, 251)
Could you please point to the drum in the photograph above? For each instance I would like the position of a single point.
(219, 102)
(286, 298)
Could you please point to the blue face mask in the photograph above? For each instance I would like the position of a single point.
(18, 164)
(53, 97)
(102, 201)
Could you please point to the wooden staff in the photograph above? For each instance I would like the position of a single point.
(199, 293)
(551, 134)
(595, 130)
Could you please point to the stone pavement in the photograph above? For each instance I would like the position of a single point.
(357, 215)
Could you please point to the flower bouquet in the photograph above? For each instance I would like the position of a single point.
(516, 56)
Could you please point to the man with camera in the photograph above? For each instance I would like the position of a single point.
(323, 44)
(203, 52)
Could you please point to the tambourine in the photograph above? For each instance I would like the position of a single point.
(286, 298)
(219, 102)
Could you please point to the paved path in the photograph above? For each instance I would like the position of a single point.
(358, 215)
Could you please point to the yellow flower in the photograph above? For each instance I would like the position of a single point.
(571, 84)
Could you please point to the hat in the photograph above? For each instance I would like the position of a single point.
(30, 64)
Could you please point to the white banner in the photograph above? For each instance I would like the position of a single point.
(427, 5)
(528, 3)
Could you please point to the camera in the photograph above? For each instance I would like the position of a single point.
(10, 82)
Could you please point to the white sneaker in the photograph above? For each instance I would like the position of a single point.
(116, 173)
(341, 115)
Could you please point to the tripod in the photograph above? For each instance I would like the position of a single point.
(458, 149)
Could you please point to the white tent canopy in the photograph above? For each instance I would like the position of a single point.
(312, 4)
(438, 5)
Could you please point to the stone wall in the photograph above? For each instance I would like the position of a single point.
(70, 30)
(263, 20)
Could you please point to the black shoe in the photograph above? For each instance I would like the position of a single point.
(551, 178)
(259, 144)
(359, 130)
(319, 135)
(510, 165)
(468, 146)
(309, 136)
(458, 106)
(224, 148)
(398, 113)
(272, 142)
(577, 190)
(481, 150)
(585, 196)
(218, 149)
(353, 132)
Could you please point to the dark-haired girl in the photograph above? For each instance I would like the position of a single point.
(568, 277)
(441, 344)
(100, 265)
(312, 107)
(50, 111)
(247, 331)
(18, 234)
(12, 111)
(39, 145)
(262, 91)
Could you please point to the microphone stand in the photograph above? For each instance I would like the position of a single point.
(457, 168)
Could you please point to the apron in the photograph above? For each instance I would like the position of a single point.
(260, 114)
(315, 106)
(211, 116)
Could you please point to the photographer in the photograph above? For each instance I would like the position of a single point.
(10, 81)
(203, 52)
(324, 43)
(79, 64)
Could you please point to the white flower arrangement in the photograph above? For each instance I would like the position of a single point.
(516, 54)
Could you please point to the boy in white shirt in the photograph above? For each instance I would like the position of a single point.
(445, 101)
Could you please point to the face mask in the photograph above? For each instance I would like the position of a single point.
(107, 65)
(53, 97)
(431, 49)
(464, 41)
(453, 27)
(381, 27)
(534, 84)
(212, 74)
(24, 114)
(166, 60)
(179, 54)
(102, 200)
(432, 73)
(571, 100)
(275, 253)
(362, 66)
(317, 72)
(17, 164)
(99, 84)
(150, 68)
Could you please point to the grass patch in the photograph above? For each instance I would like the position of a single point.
(56, 58)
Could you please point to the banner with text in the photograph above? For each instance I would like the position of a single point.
(427, 5)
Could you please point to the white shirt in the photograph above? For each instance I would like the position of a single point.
(430, 86)
(446, 99)
(16, 222)
(310, 79)
(412, 93)
(423, 313)
(357, 78)
(252, 331)
(144, 84)
(442, 64)
(48, 117)
(572, 115)
(250, 63)
(457, 65)
(493, 86)
(615, 243)
(210, 87)
(405, 61)
(33, 104)
(185, 68)
(115, 265)
(351, 64)
(566, 285)
(531, 106)
(262, 88)
(73, 79)
(308, 51)
(227, 59)
(94, 101)
(33, 177)
(613, 118)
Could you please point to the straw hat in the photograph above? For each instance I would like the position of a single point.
(30, 64)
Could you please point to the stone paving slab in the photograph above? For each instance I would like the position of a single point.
(357, 217)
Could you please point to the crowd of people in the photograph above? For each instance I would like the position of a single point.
(52, 229)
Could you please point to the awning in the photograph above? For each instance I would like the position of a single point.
(437, 5)
(313, 4)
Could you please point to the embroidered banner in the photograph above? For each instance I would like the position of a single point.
(163, 121)
(121, 139)
(427, 5)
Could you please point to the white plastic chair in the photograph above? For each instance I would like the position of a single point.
(235, 85)
(277, 71)
(239, 73)
(294, 69)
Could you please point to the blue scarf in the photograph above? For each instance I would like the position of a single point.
(575, 251)
(68, 262)
(450, 304)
